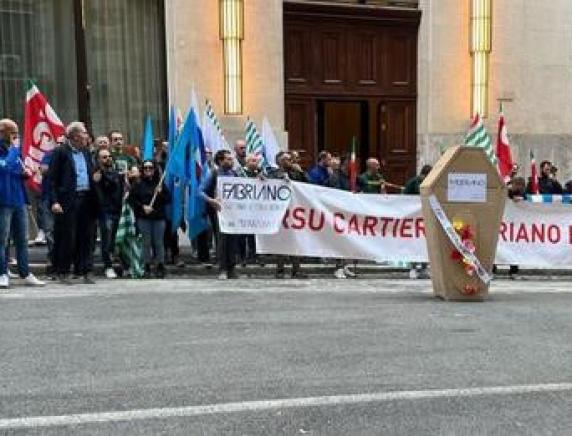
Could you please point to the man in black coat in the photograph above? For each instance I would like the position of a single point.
(110, 188)
(74, 204)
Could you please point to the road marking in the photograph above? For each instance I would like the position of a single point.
(264, 405)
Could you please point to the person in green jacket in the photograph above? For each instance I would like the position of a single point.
(371, 181)
(412, 187)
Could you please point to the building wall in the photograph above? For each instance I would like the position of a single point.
(195, 59)
(531, 69)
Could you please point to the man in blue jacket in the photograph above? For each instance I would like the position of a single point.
(13, 209)
(321, 173)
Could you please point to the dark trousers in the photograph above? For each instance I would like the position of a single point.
(227, 252)
(203, 246)
(171, 241)
(108, 228)
(73, 236)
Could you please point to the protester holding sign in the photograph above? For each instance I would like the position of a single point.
(287, 171)
(227, 244)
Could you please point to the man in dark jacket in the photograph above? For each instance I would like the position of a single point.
(320, 174)
(287, 171)
(227, 244)
(110, 187)
(74, 204)
(412, 187)
(13, 207)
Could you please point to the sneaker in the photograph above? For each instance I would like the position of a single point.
(340, 274)
(180, 264)
(223, 276)
(208, 265)
(348, 272)
(87, 280)
(12, 275)
(413, 274)
(40, 238)
(4, 281)
(32, 280)
(110, 273)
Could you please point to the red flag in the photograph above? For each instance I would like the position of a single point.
(42, 130)
(533, 175)
(504, 156)
(353, 167)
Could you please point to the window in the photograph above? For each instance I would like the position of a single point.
(120, 56)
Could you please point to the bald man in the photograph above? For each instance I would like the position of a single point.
(13, 205)
(371, 181)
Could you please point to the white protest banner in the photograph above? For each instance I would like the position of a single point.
(323, 222)
(536, 234)
(252, 206)
(326, 222)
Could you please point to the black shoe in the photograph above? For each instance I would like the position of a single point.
(147, 272)
(279, 274)
(87, 280)
(64, 280)
(299, 275)
(232, 275)
(160, 273)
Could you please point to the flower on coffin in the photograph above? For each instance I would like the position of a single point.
(469, 289)
(469, 245)
(458, 225)
(466, 233)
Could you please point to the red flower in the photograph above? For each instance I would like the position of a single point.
(469, 289)
(456, 255)
(467, 232)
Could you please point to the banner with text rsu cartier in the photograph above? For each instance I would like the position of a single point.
(323, 222)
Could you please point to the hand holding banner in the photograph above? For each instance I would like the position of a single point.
(252, 206)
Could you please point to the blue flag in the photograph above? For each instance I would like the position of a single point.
(172, 137)
(148, 140)
(197, 171)
(176, 171)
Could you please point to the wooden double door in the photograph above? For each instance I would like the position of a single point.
(351, 72)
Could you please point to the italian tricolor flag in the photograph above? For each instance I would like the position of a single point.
(42, 130)
(504, 156)
(353, 166)
(533, 175)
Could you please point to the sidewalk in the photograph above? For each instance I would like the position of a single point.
(314, 267)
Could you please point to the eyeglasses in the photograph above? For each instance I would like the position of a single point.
(148, 168)
(119, 138)
(105, 157)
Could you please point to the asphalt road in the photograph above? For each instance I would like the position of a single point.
(266, 357)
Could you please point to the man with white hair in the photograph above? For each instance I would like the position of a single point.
(13, 204)
(73, 204)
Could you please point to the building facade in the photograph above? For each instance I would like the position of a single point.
(394, 74)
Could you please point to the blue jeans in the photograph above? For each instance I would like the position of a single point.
(153, 232)
(108, 228)
(14, 222)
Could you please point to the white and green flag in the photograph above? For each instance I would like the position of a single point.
(477, 136)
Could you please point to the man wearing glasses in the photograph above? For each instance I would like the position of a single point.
(110, 187)
(13, 204)
(73, 204)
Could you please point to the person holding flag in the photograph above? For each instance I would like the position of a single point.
(13, 204)
(148, 197)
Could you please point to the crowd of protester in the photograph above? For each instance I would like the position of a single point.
(86, 181)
